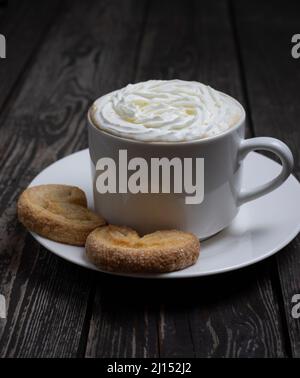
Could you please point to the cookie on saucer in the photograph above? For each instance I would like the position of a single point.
(121, 249)
(58, 212)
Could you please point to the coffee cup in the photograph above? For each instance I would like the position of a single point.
(191, 185)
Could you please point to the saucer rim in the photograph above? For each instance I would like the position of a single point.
(172, 275)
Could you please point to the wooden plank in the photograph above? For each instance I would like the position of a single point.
(46, 302)
(122, 325)
(40, 127)
(124, 319)
(23, 31)
(265, 30)
(233, 315)
(48, 299)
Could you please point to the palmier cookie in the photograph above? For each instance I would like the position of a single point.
(58, 212)
(121, 249)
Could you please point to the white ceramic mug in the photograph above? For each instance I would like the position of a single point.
(223, 155)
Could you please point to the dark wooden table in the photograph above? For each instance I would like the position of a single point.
(61, 56)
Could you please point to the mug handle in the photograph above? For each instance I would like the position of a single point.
(281, 150)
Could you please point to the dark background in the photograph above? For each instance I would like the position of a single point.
(60, 56)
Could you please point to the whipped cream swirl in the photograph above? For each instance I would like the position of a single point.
(165, 111)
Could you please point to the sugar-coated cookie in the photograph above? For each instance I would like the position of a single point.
(121, 249)
(58, 212)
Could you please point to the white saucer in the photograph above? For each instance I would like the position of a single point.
(261, 228)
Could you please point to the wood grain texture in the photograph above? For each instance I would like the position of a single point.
(233, 315)
(194, 41)
(46, 121)
(28, 136)
(24, 32)
(56, 309)
(47, 303)
(124, 319)
(272, 76)
(119, 327)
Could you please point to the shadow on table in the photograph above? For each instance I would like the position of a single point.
(217, 288)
